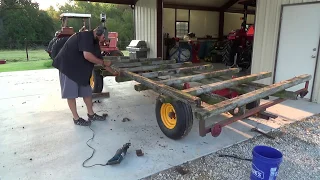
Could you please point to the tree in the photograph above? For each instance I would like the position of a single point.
(22, 20)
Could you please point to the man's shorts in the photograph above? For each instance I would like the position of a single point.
(71, 90)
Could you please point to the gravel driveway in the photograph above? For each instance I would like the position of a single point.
(299, 142)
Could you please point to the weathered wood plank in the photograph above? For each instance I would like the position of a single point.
(163, 89)
(176, 71)
(192, 78)
(198, 77)
(245, 88)
(207, 97)
(113, 58)
(145, 63)
(156, 67)
(126, 59)
(120, 59)
(225, 84)
(230, 104)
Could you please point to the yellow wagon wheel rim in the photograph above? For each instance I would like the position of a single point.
(168, 116)
(92, 81)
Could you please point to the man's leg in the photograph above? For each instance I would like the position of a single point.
(69, 91)
(88, 102)
(86, 93)
(73, 107)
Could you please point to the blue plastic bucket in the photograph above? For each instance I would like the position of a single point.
(265, 163)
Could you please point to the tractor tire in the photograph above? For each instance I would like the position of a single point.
(229, 52)
(174, 119)
(116, 53)
(57, 45)
(96, 81)
(253, 104)
(246, 58)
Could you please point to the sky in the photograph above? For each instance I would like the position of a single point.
(44, 4)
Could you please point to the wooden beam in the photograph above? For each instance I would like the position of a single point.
(228, 83)
(249, 87)
(240, 11)
(163, 89)
(201, 76)
(128, 2)
(190, 7)
(176, 71)
(192, 78)
(244, 99)
(157, 67)
(228, 4)
(145, 63)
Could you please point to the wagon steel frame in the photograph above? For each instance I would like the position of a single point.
(151, 73)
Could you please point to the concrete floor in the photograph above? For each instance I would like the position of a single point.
(36, 123)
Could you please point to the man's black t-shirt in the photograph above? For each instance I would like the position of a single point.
(70, 60)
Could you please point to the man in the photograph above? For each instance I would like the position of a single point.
(75, 63)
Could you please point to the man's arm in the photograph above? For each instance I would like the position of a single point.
(92, 58)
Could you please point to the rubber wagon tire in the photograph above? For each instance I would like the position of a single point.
(57, 45)
(96, 81)
(180, 125)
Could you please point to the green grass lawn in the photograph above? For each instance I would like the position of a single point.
(17, 60)
(12, 56)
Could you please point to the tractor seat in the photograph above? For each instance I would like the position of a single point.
(67, 30)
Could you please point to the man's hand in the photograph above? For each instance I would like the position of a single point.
(113, 72)
(107, 63)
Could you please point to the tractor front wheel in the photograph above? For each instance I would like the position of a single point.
(174, 119)
(96, 81)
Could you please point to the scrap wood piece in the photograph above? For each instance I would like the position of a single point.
(230, 104)
(163, 89)
(225, 84)
(176, 71)
(139, 152)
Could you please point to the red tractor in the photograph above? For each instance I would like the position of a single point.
(237, 50)
(109, 48)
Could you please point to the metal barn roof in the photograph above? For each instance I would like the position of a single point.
(211, 5)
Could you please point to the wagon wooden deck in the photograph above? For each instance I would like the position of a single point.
(189, 90)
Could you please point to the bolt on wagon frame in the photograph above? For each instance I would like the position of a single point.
(187, 90)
